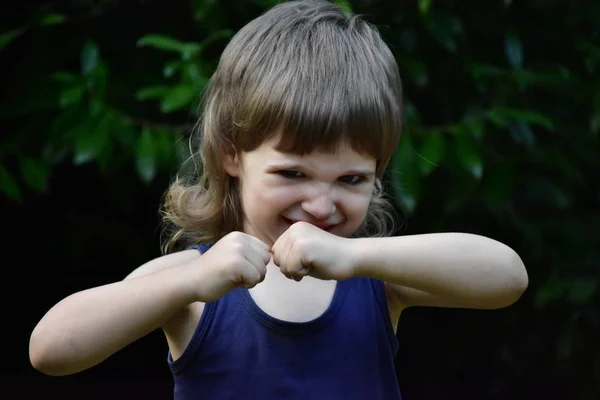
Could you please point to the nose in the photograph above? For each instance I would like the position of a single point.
(319, 207)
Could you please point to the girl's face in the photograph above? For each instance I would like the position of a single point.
(329, 190)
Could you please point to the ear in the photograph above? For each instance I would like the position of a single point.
(231, 162)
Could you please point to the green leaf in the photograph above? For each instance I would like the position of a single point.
(97, 79)
(90, 141)
(171, 68)
(531, 117)
(145, 156)
(34, 173)
(482, 72)
(96, 107)
(202, 8)
(167, 43)
(543, 78)
(152, 92)
(424, 6)
(52, 19)
(63, 122)
(582, 290)
(164, 145)
(65, 77)
(513, 50)
(71, 95)
(521, 133)
(473, 126)
(345, 6)
(469, 155)
(8, 185)
(431, 152)
(102, 154)
(89, 57)
(195, 76)
(190, 50)
(7, 37)
(178, 97)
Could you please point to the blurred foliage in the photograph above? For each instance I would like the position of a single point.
(502, 118)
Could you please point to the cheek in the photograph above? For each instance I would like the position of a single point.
(355, 206)
(262, 198)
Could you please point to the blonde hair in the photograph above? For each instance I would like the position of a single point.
(302, 72)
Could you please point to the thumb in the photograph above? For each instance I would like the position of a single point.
(274, 257)
(276, 249)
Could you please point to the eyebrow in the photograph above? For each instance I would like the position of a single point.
(359, 171)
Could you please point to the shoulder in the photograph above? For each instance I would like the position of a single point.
(164, 262)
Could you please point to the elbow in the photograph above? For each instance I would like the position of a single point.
(519, 274)
(41, 357)
(517, 279)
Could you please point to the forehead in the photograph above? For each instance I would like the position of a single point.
(342, 154)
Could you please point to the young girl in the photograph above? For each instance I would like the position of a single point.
(280, 282)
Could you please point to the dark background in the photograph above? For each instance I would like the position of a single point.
(501, 139)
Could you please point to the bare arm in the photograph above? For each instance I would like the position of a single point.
(444, 269)
(87, 327)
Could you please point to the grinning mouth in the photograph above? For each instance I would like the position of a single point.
(325, 227)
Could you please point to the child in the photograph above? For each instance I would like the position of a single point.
(280, 282)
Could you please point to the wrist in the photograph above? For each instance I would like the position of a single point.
(358, 249)
(188, 276)
(207, 282)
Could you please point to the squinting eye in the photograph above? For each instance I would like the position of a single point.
(352, 179)
(290, 174)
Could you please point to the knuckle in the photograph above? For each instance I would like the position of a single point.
(236, 237)
(237, 258)
(254, 277)
(236, 245)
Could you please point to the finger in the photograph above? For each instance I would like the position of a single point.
(280, 257)
(256, 260)
(257, 242)
(259, 250)
(251, 278)
(264, 254)
(278, 250)
(259, 246)
(293, 262)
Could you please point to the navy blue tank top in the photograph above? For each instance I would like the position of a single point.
(240, 352)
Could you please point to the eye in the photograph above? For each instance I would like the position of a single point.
(352, 179)
(290, 174)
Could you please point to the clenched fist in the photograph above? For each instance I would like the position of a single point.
(237, 260)
(305, 250)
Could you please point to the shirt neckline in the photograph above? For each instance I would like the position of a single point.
(289, 326)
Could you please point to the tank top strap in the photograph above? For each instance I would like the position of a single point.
(202, 248)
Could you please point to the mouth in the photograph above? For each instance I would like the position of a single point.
(325, 227)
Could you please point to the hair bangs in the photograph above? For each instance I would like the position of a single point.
(322, 118)
(317, 84)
